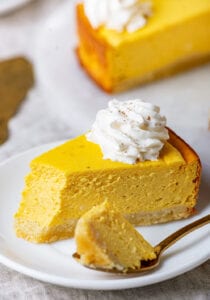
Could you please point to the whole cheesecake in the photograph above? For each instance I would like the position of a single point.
(106, 240)
(175, 37)
(70, 179)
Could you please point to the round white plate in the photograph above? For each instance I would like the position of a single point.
(9, 5)
(72, 95)
(53, 262)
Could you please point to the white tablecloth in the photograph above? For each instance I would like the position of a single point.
(35, 125)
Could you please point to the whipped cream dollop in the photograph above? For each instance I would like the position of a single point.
(118, 15)
(129, 131)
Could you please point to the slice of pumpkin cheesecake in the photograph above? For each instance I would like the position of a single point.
(70, 179)
(122, 44)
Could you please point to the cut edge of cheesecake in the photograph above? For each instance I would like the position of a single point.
(31, 231)
(105, 239)
(94, 42)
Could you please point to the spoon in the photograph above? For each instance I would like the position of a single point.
(159, 249)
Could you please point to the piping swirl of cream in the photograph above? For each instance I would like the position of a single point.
(118, 15)
(129, 131)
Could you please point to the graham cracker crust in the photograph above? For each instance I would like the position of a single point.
(32, 232)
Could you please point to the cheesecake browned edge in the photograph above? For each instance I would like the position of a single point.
(91, 40)
(188, 153)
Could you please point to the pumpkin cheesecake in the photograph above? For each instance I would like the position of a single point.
(126, 43)
(106, 240)
(128, 158)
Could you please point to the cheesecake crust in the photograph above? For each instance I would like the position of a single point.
(34, 233)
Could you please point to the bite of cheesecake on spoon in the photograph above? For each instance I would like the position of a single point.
(106, 241)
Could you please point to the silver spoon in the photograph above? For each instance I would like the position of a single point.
(159, 249)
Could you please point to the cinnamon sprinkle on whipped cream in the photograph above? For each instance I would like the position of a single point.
(129, 131)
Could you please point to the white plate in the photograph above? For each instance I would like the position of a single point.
(53, 262)
(9, 5)
(183, 98)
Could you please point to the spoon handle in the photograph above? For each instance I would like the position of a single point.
(173, 238)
